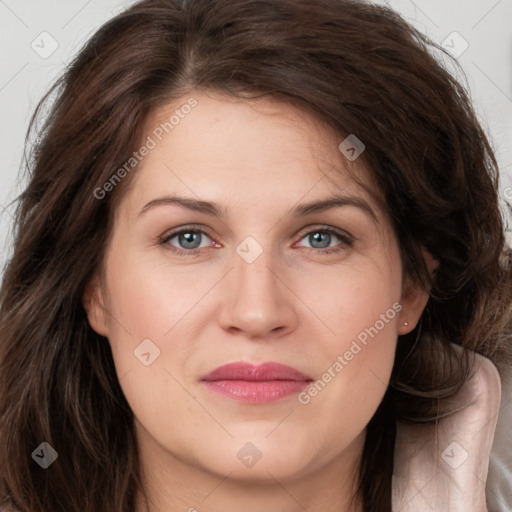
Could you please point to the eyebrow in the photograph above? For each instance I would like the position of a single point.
(302, 210)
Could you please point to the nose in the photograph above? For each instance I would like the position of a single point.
(258, 301)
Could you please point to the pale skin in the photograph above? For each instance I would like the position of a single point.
(294, 304)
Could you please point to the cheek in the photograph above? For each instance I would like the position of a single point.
(152, 299)
(148, 311)
(350, 387)
(362, 315)
(352, 299)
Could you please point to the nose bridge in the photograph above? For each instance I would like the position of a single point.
(255, 274)
(257, 301)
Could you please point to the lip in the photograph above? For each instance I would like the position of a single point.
(264, 383)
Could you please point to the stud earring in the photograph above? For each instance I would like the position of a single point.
(406, 323)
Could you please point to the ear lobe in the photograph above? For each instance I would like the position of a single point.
(93, 303)
(415, 298)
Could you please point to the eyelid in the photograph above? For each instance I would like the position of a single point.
(185, 228)
(342, 234)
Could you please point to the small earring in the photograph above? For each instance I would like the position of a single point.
(406, 323)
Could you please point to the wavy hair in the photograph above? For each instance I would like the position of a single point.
(358, 67)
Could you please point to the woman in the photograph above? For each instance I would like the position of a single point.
(259, 264)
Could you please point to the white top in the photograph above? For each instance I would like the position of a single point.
(499, 481)
(447, 469)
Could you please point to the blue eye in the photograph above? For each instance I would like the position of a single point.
(320, 240)
(188, 241)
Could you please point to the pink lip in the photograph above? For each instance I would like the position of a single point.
(264, 383)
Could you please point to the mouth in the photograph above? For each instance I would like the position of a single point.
(249, 383)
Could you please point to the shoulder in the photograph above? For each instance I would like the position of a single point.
(444, 466)
(499, 481)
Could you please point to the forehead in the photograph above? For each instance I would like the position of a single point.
(238, 150)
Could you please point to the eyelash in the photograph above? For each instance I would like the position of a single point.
(346, 241)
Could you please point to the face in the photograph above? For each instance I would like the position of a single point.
(218, 257)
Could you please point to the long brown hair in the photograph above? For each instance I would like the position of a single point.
(358, 67)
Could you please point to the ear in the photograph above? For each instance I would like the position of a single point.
(415, 298)
(93, 302)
